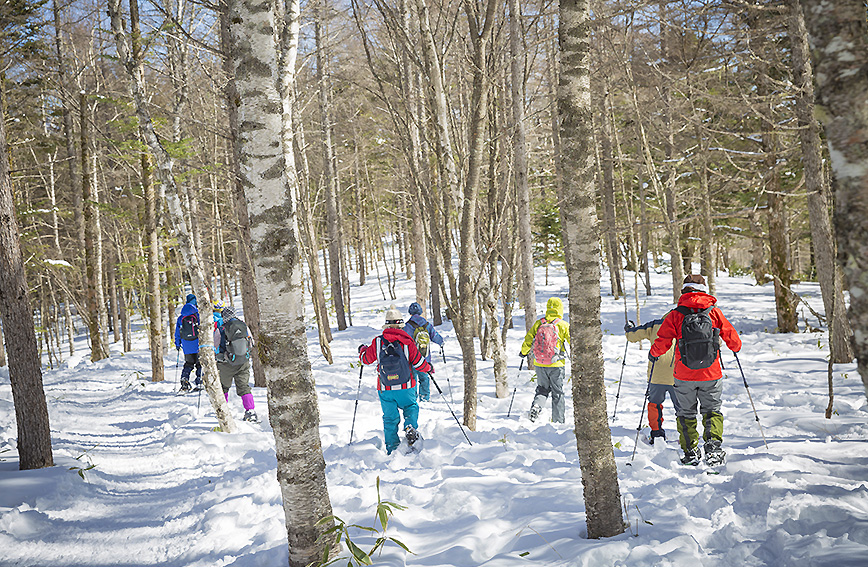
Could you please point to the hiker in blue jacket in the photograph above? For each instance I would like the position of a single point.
(187, 337)
(415, 322)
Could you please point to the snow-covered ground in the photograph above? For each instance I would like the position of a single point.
(166, 490)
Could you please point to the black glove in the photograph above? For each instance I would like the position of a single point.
(653, 358)
(362, 347)
(628, 326)
(521, 355)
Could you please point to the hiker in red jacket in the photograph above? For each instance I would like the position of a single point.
(696, 325)
(396, 356)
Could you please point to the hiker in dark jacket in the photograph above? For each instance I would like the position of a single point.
(549, 359)
(190, 314)
(418, 322)
(235, 367)
(697, 386)
(661, 380)
(396, 382)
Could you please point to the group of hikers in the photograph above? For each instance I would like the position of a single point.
(232, 343)
(683, 362)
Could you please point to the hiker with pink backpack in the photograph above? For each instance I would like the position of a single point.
(548, 339)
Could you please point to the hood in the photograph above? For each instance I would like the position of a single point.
(392, 334)
(554, 309)
(418, 319)
(697, 300)
(188, 309)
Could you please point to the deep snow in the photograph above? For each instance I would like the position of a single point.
(167, 490)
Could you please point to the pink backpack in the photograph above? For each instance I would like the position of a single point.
(545, 343)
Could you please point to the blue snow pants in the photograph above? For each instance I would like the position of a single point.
(423, 380)
(391, 401)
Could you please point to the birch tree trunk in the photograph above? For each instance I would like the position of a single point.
(249, 293)
(153, 251)
(263, 46)
(25, 369)
(839, 41)
(828, 271)
(92, 242)
(607, 193)
(581, 237)
(130, 56)
(468, 261)
(329, 175)
(526, 284)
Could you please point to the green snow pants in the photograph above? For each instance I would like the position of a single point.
(705, 394)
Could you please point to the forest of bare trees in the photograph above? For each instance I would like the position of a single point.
(276, 151)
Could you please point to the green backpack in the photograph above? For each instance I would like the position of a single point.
(422, 339)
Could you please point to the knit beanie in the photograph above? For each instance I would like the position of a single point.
(393, 316)
(415, 309)
(694, 282)
(191, 298)
(228, 313)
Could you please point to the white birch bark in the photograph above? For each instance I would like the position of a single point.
(582, 255)
(263, 44)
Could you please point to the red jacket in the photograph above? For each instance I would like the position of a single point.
(671, 330)
(370, 354)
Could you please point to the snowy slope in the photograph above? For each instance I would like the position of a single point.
(166, 490)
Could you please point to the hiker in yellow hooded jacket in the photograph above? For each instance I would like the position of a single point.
(547, 339)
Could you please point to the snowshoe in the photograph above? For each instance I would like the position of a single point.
(185, 385)
(534, 412)
(714, 455)
(411, 435)
(250, 416)
(656, 434)
(197, 385)
(690, 459)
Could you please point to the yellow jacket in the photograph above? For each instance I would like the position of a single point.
(663, 368)
(554, 310)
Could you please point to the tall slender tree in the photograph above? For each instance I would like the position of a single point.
(263, 47)
(582, 239)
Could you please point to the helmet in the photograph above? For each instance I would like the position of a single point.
(219, 305)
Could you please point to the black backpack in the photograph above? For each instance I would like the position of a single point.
(237, 343)
(190, 327)
(700, 340)
(393, 363)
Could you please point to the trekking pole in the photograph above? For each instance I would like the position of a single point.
(450, 409)
(747, 389)
(358, 391)
(513, 390)
(642, 415)
(621, 379)
(443, 354)
(177, 360)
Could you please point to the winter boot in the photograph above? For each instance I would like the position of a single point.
(655, 433)
(411, 434)
(250, 415)
(714, 455)
(185, 385)
(534, 412)
(197, 385)
(690, 458)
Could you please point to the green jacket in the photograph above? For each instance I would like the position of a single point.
(663, 368)
(554, 310)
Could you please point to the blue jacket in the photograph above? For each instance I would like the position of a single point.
(190, 347)
(420, 321)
